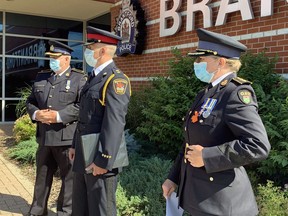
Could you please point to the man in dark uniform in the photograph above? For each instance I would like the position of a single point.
(54, 105)
(223, 132)
(103, 107)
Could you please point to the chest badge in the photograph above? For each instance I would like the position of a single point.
(194, 117)
(207, 107)
(68, 83)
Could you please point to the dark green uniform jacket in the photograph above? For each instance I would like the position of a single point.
(103, 107)
(61, 95)
(232, 135)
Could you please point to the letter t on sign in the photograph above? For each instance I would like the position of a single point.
(172, 14)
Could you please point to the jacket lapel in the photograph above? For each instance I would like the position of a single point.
(99, 78)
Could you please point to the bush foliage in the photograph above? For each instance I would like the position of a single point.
(170, 98)
(139, 190)
(25, 151)
(23, 129)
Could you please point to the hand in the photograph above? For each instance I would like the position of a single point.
(194, 155)
(71, 154)
(96, 170)
(47, 116)
(168, 187)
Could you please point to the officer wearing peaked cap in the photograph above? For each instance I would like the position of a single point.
(54, 105)
(222, 132)
(103, 107)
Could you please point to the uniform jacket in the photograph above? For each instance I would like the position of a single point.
(103, 107)
(232, 135)
(61, 94)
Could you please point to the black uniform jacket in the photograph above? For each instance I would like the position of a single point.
(103, 107)
(61, 94)
(232, 135)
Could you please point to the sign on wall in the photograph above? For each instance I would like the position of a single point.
(205, 7)
(131, 26)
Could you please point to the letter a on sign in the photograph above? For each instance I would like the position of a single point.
(243, 6)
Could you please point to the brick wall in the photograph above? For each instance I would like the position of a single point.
(269, 34)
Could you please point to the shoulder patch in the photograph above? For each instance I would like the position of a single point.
(245, 96)
(120, 86)
(77, 70)
(241, 81)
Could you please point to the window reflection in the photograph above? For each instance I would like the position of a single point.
(41, 26)
(10, 107)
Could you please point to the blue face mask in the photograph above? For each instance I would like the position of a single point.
(200, 70)
(89, 57)
(55, 65)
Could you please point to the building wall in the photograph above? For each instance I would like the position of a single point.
(269, 34)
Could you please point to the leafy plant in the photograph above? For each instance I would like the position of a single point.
(25, 151)
(139, 191)
(23, 129)
(168, 101)
(272, 200)
(21, 105)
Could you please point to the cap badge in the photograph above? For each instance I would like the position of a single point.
(52, 48)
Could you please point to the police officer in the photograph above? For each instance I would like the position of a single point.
(223, 132)
(103, 106)
(54, 105)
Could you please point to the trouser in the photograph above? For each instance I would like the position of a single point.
(94, 195)
(48, 159)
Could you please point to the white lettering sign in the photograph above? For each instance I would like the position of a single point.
(166, 15)
(173, 15)
(194, 7)
(243, 6)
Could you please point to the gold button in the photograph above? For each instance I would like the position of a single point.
(53, 87)
(211, 179)
(50, 96)
(201, 121)
(49, 106)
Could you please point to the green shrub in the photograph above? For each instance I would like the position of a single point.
(23, 93)
(23, 129)
(25, 151)
(272, 201)
(139, 190)
(167, 103)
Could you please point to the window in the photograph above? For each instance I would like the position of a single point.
(41, 26)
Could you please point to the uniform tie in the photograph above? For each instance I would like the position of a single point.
(208, 87)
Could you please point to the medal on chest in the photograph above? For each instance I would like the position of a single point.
(206, 109)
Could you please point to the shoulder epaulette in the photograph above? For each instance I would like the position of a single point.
(241, 81)
(46, 71)
(77, 70)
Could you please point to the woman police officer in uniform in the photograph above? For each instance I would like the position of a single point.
(222, 133)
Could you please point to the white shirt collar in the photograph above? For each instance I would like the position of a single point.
(215, 82)
(97, 70)
(60, 74)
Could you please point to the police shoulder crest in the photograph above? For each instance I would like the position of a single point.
(241, 81)
(245, 96)
(120, 86)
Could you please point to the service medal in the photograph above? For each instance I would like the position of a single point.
(206, 113)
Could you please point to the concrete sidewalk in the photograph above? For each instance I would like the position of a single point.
(16, 190)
